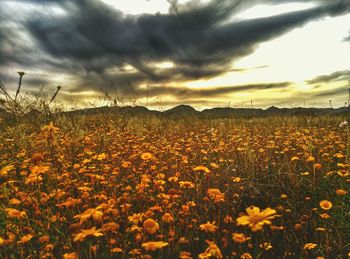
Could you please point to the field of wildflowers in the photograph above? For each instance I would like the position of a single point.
(107, 186)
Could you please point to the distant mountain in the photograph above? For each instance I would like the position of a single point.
(188, 111)
(127, 110)
(181, 110)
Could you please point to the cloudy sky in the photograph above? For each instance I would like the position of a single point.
(206, 53)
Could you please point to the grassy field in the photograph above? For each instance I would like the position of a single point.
(109, 186)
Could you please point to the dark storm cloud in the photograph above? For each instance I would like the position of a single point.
(336, 76)
(92, 37)
(187, 92)
(333, 92)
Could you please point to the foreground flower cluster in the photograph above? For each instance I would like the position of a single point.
(110, 187)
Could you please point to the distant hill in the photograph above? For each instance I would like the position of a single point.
(181, 110)
(187, 110)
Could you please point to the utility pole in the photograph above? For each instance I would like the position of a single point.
(330, 103)
(349, 97)
(251, 103)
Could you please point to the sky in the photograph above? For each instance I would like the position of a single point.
(162, 53)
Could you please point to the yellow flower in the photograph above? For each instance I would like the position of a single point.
(40, 169)
(33, 178)
(94, 213)
(284, 196)
(214, 165)
(212, 251)
(186, 184)
(136, 218)
(266, 246)
(185, 255)
(154, 245)
(310, 246)
(236, 179)
(87, 233)
(150, 226)
(201, 168)
(146, 156)
(326, 205)
(4, 171)
(256, 219)
(134, 228)
(208, 227)
(310, 159)
(239, 238)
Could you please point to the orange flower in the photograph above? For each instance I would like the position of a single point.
(167, 218)
(117, 250)
(208, 227)
(256, 219)
(326, 205)
(185, 255)
(50, 128)
(341, 192)
(324, 216)
(240, 238)
(84, 233)
(14, 201)
(154, 245)
(310, 159)
(146, 156)
(150, 226)
(37, 157)
(317, 166)
(310, 246)
(25, 239)
(70, 256)
(246, 256)
(216, 195)
(13, 213)
(111, 226)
